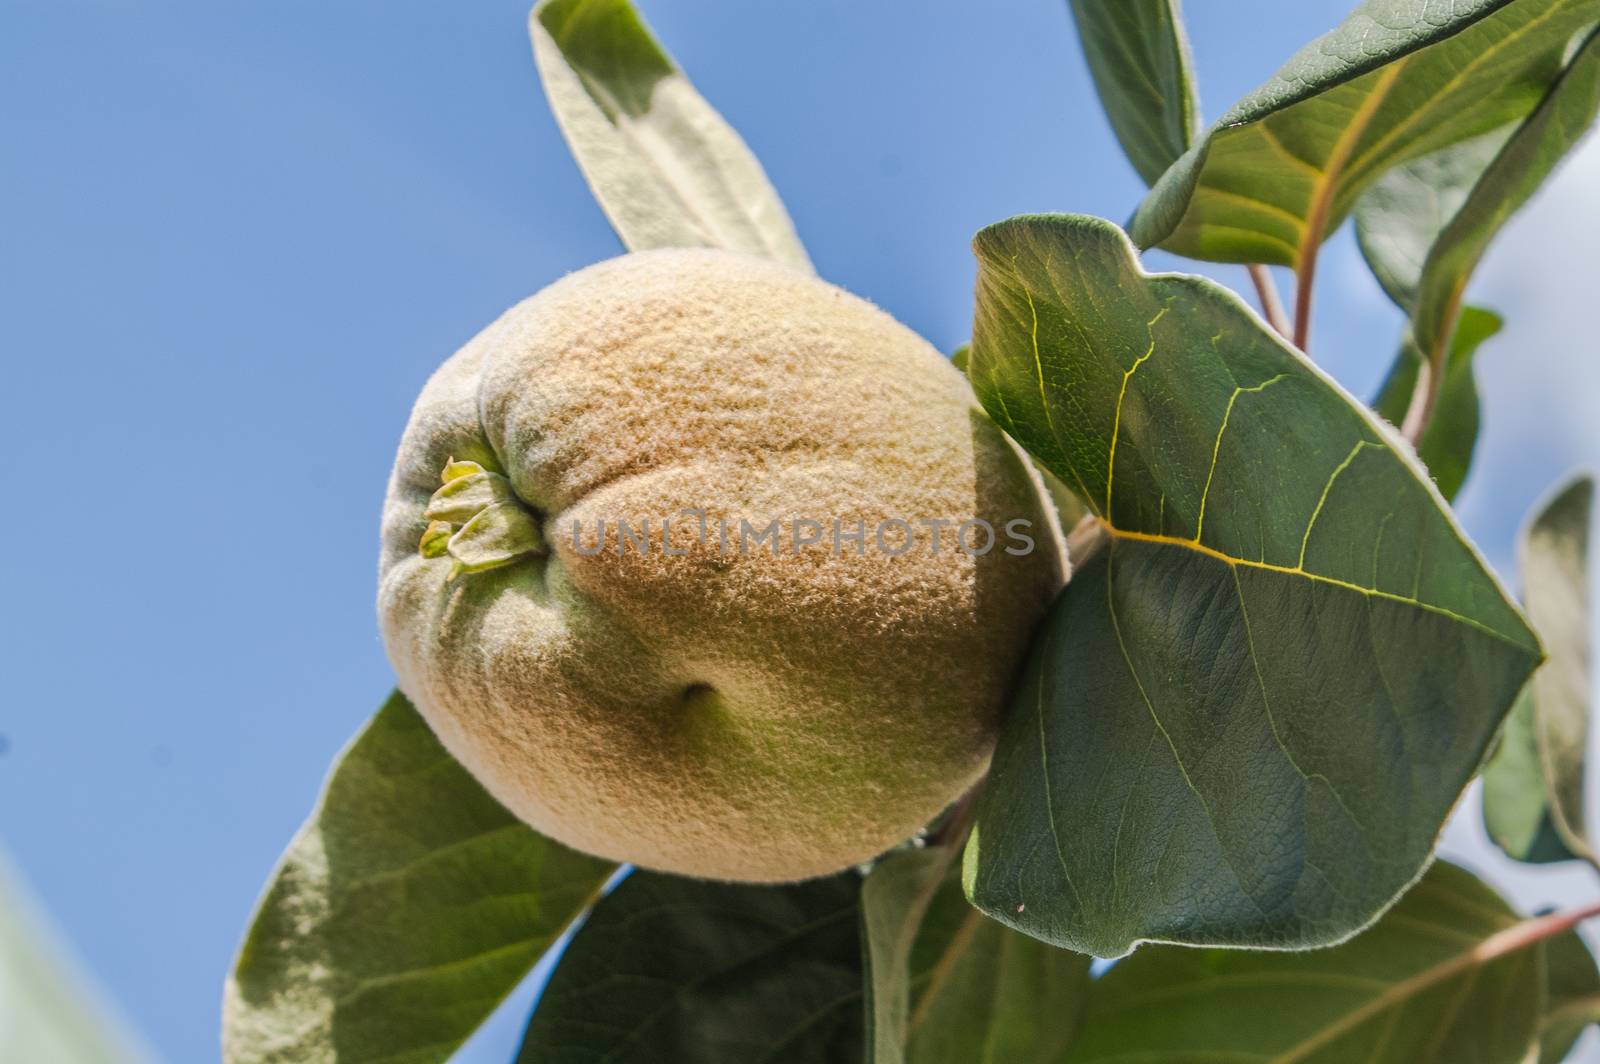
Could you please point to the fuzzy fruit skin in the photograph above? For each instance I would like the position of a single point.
(757, 717)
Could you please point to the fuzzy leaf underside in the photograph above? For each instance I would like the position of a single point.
(668, 170)
(405, 909)
(948, 985)
(1555, 574)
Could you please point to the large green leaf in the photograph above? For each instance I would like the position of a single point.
(1451, 437)
(667, 168)
(1139, 58)
(1398, 79)
(1555, 576)
(406, 908)
(1410, 990)
(680, 971)
(47, 1015)
(1572, 996)
(1251, 710)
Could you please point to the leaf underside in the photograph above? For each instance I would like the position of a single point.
(1139, 58)
(668, 170)
(1398, 219)
(1516, 807)
(948, 985)
(1424, 228)
(406, 908)
(1398, 79)
(1523, 163)
(1250, 712)
(1555, 573)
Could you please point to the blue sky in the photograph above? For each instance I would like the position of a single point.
(239, 237)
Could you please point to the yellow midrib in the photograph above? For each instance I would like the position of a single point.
(1298, 570)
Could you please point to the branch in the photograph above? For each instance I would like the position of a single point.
(1271, 304)
(1430, 375)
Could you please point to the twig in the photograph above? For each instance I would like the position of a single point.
(1528, 932)
(1423, 396)
(1430, 375)
(1271, 303)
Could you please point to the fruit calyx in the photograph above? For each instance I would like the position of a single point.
(477, 520)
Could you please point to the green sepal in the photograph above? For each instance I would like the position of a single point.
(436, 539)
(497, 535)
(455, 470)
(462, 497)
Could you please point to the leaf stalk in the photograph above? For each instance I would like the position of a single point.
(1271, 302)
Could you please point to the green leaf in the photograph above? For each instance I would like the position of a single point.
(1572, 996)
(681, 971)
(1448, 443)
(1555, 575)
(1249, 712)
(1069, 508)
(666, 168)
(47, 1016)
(406, 908)
(894, 900)
(1407, 991)
(1542, 751)
(1398, 79)
(1522, 165)
(1516, 809)
(1139, 58)
(1424, 229)
(1400, 216)
(950, 986)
